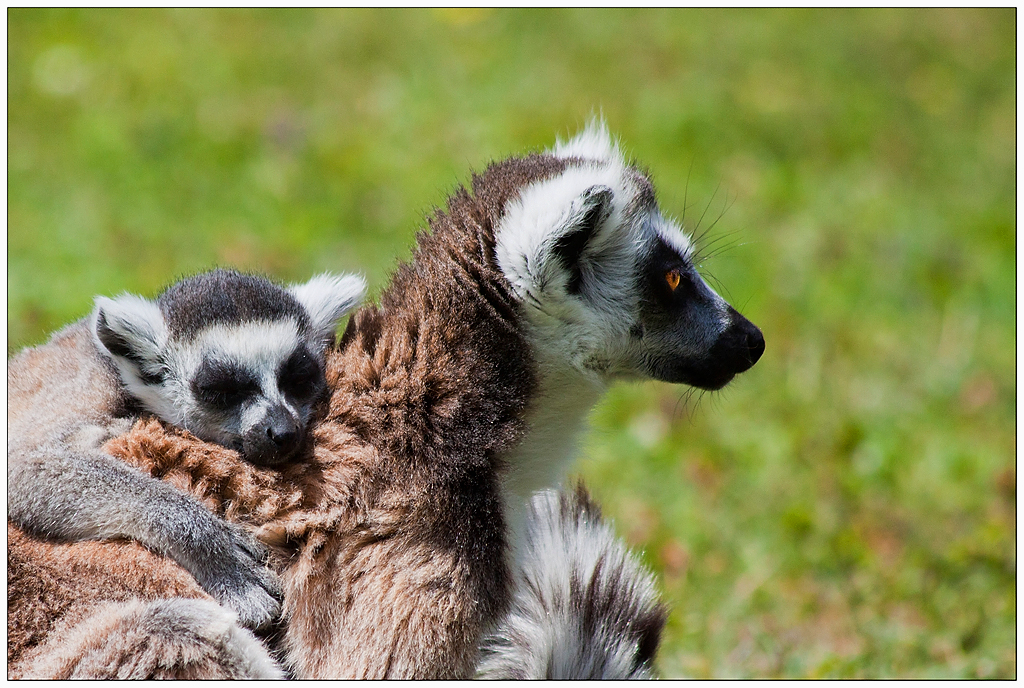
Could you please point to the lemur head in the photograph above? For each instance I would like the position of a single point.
(608, 284)
(233, 358)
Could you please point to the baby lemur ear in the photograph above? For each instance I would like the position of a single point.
(327, 299)
(586, 214)
(132, 331)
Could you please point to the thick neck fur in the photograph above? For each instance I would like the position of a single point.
(438, 378)
(555, 420)
(446, 353)
(459, 376)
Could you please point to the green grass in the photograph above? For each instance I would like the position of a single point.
(847, 507)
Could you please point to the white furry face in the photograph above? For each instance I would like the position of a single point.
(607, 282)
(228, 376)
(250, 386)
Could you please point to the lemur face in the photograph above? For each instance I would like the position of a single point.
(684, 331)
(254, 389)
(608, 284)
(232, 358)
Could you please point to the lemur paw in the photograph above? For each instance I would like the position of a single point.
(240, 580)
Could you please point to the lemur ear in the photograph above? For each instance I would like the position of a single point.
(131, 330)
(593, 143)
(327, 299)
(586, 214)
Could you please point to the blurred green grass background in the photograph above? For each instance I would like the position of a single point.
(846, 508)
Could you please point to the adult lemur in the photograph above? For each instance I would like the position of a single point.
(452, 401)
(233, 358)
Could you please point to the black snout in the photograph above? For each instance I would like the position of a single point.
(736, 350)
(283, 437)
(274, 439)
(739, 347)
(747, 344)
(282, 429)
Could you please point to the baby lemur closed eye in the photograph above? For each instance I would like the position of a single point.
(233, 358)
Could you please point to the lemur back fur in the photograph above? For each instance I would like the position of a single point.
(116, 610)
(398, 516)
(456, 397)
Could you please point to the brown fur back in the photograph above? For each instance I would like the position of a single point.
(390, 540)
(53, 586)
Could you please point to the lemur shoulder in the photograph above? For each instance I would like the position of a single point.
(231, 357)
(460, 394)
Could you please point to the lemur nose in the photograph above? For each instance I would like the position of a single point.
(282, 429)
(755, 345)
(283, 437)
(746, 342)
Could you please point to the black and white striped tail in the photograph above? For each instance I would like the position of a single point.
(584, 606)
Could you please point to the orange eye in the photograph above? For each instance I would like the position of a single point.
(672, 277)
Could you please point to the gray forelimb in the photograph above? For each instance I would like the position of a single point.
(67, 494)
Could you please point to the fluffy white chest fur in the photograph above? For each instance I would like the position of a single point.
(556, 419)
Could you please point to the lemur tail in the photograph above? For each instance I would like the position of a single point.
(584, 607)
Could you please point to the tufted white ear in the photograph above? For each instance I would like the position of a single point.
(593, 143)
(327, 299)
(131, 330)
(586, 214)
(547, 230)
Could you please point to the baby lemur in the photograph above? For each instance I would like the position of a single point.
(233, 358)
